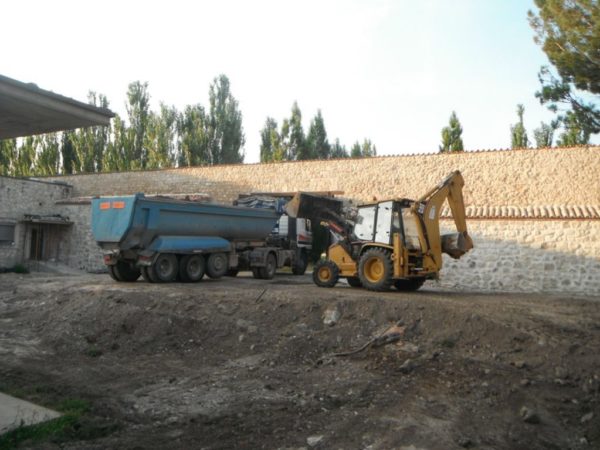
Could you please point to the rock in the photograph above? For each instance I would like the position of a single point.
(410, 348)
(520, 364)
(529, 415)
(464, 442)
(525, 382)
(408, 366)
(587, 417)
(331, 316)
(314, 440)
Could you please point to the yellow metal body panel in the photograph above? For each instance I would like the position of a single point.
(341, 258)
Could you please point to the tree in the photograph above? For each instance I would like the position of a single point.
(48, 157)
(575, 132)
(138, 111)
(364, 150)
(159, 140)
(569, 33)
(338, 150)
(225, 131)
(298, 150)
(544, 135)
(452, 135)
(24, 160)
(317, 144)
(90, 142)
(518, 132)
(67, 152)
(270, 141)
(8, 151)
(193, 141)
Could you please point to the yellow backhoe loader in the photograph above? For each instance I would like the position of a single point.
(392, 242)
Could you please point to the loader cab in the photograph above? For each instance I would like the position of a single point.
(378, 223)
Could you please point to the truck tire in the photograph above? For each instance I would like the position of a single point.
(165, 268)
(326, 274)
(299, 266)
(124, 271)
(256, 273)
(217, 265)
(408, 285)
(111, 272)
(354, 282)
(375, 269)
(148, 274)
(268, 271)
(192, 268)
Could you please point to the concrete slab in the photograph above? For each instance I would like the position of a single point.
(15, 412)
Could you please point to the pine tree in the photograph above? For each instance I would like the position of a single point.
(316, 141)
(452, 135)
(298, 150)
(575, 133)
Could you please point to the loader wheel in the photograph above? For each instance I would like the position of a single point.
(268, 272)
(165, 268)
(124, 271)
(299, 267)
(375, 270)
(217, 265)
(326, 274)
(354, 282)
(191, 268)
(411, 284)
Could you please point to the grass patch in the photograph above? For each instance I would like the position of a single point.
(77, 423)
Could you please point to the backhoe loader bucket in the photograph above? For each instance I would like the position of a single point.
(306, 206)
(456, 244)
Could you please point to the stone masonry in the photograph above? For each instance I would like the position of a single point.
(534, 214)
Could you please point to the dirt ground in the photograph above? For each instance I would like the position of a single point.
(244, 363)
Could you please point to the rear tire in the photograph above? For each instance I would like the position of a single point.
(408, 285)
(217, 265)
(124, 271)
(375, 269)
(268, 271)
(299, 267)
(147, 274)
(165, 268)
(326, 274)
(192, 268)
(354, 282)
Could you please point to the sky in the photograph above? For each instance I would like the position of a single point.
(388, 70)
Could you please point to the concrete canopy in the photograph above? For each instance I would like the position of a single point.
(26, 109)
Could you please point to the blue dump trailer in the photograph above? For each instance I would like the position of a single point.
(164, 239)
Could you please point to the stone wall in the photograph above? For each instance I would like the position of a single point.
(553, 248)
(564, 176)
(19, 197)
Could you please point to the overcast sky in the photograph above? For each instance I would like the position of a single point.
(391, 71)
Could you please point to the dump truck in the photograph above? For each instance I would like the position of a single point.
(164, 239)
(393, 242)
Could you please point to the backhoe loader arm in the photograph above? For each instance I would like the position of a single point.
(427, 210)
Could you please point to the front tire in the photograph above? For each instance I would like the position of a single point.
(326, 274)
(375, 269)
(299, 266)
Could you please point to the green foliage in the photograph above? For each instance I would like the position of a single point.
(575, 133)
(159, 139)
(19, 268)
(270, 142)
(569, 33)
(138, 111)
(225, 132)
(452, 135)
(338, 150)
(297, 148)
(544, 135)
(316, 142)
(192, 138)
(8, 151)
(67, 151)
(518, 133)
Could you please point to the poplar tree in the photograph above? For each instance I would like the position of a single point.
(317, 144)
(452, 135)
(518, 132)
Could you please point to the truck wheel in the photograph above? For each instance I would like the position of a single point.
(326, 273)
(125, 271)
(375, 270)
(165, 267)
(147, 274)
(192, 268)
(299, 266)
(111, 272)
(256, 273)
(411, 284)
(354, 282)
(268, 272)
(217, 265)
